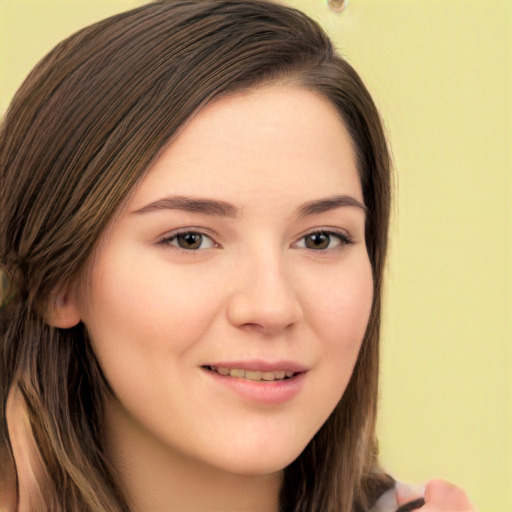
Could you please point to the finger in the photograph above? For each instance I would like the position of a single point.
(444, 496)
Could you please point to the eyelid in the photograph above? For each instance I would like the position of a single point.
(165, 240)
(343, 236)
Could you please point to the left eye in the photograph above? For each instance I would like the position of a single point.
(322, 240)
(190, 241)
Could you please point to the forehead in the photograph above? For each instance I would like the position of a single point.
(276, 140)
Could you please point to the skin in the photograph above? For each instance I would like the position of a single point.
(255, 289)
(157, 313)
(439, 496)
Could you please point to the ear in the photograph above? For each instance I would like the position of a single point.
(63, 311)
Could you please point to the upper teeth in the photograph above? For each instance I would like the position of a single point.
(253, 374)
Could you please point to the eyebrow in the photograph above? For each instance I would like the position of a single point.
(193, 205)
(329, 203)
(224, 209)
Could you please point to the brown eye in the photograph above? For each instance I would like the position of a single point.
(189, 241)
(323, 240)
(317, 241)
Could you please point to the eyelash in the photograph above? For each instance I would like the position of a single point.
(171, 237)
(343, 239)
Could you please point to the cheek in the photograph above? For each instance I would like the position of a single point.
(152, 307)
(342, 312)
(336, 316)
(340, 318)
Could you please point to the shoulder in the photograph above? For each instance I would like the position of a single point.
(387, 502)
(390, 500)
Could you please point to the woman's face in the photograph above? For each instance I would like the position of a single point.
(229, 300)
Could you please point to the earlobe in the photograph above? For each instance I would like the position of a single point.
(63, 310)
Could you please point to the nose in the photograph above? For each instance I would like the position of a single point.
(264, 298)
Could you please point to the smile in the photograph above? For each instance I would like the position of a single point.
(255, 375)
(256, 381)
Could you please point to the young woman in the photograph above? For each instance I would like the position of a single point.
(195, 201)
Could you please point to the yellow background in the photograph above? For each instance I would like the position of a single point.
(441, 73)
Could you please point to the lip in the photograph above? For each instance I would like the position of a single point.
(260, 364)
(264, 392)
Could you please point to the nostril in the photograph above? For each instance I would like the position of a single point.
(264, 304)
(266, 328)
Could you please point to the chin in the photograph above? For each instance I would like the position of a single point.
(264, 462)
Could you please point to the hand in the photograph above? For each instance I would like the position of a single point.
(441, 496)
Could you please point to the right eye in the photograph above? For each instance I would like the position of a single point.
(189, 241)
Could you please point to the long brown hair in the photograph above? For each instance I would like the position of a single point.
(79, 135)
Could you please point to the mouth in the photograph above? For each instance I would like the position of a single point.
(259, 381)
(253, 375)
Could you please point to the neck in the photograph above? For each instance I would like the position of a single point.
(157, 478)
